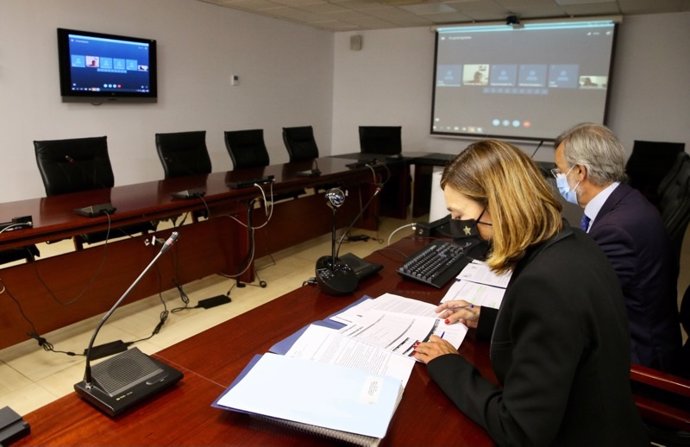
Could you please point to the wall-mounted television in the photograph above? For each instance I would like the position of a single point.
(97, 67)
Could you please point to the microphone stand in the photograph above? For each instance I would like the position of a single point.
(88, 379)
(335, 277)
(117, 384)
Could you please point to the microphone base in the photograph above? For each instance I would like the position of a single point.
(335, 278)
(126, 380)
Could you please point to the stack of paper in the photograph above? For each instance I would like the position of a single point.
(477, 284)
(332, 400)
(344, 376)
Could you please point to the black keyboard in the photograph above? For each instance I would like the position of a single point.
(437, 263)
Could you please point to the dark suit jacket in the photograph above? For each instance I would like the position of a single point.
(560, 350)
(630, 232)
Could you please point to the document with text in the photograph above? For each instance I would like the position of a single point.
(396, 323)
(329, 346)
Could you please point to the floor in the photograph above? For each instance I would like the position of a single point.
(31, 377)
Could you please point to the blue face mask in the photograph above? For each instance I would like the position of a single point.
(564, 188)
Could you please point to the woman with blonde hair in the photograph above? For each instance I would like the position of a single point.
(559, 342)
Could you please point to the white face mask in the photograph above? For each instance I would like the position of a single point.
(568, 193)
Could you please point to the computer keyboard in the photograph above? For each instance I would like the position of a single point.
(437, 263)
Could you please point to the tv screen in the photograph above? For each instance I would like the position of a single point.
(524, 82)
(96, 66)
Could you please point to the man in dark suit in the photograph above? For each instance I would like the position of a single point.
(590, 172)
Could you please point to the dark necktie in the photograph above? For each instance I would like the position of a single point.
(584, 222)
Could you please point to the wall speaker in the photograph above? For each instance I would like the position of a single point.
(356, 42)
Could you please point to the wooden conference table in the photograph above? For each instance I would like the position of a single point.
(210, 361)
(56, 291)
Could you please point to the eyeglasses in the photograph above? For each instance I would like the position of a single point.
(556, 172)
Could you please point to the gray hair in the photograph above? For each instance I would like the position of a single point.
(596, 148)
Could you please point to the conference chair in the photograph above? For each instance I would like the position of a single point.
(396, 195)
(685, 322)
(80, 164)
(300, 143)
(247, 148)
(183, 153)
(674, 202)
(649, 163)
(384, 140)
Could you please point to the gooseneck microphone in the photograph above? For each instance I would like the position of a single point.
(354, 221)
(122, 381)
(332, 275)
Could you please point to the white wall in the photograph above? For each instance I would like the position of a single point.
(389, 82)
(289, 75)
(286, 75)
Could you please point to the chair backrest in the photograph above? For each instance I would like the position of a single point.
(380, 140)
(685, 317)
(649, 163)
(183, 153)
(247, 148)
(674, 203)
(72, 165)
(300, 143)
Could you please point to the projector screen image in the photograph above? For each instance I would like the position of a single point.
(531, 82)
(94, 64)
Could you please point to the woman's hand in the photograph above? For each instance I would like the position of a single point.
(459, 311)
(435, 347)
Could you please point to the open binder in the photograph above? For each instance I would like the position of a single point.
(330, 400)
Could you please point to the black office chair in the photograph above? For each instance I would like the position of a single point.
(183, 153)
(75, 165)
(385, 140)
(685, 322)
(300, 143)
(648, 164)
(247, 148)
(674, 202)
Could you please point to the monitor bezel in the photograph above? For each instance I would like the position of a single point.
(64, 58)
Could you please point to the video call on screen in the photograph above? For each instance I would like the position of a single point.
(104, 65)
(531, 82)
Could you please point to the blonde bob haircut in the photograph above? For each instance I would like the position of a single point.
(523, 208)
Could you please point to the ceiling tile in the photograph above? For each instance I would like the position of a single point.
(647, 7)
(342, 15)
(428, 8)
(592, 9)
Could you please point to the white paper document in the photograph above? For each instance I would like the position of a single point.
(319, 394)
(387, 302)
(396, 323)
(327, 345)
(475, 293)
(479, 272)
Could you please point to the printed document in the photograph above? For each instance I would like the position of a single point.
(327, 345)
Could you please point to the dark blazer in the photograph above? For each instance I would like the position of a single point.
(630, 232)
(560, 351)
